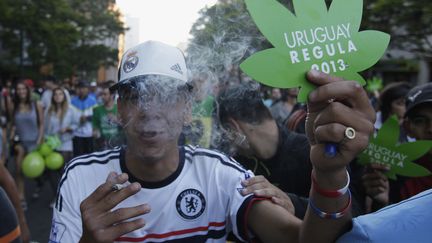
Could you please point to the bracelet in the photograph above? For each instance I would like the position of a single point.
(327, 193)
(325, 215)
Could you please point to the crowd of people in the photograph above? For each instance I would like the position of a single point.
(143, 158)
(82, 115)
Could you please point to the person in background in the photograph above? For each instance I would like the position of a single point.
(262, 145)
(295, 122)
(83, 134)
(106, 130)
(60, 122)
(281, 109)
(274, 96)
(50, 83)
(392, 102)
(34, 95)
(408, 220)
(200, 130)
(418, 125)
(94, 91)
(27, 129)
(267, 148)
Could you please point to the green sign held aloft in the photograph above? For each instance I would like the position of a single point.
(385, 149)
(314, 37)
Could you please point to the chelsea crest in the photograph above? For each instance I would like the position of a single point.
(190, 204)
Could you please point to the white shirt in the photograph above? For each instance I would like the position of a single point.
(199, 202)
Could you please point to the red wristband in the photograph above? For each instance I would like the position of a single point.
(327, 193)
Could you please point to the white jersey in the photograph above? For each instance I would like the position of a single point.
(200, 202)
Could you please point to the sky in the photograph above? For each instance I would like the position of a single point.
(168, 21)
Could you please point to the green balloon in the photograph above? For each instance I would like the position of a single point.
(33, 165)
(45, 150)
(54, 161)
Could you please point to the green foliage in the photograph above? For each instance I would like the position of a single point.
(71, 35)
(384, 148)
(222, 36)
(407, 21)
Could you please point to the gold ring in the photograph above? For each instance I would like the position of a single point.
(350, 133)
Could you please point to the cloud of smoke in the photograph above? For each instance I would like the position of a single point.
(223, 37)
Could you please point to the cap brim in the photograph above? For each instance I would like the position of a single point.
(116, 86)
(411, 107)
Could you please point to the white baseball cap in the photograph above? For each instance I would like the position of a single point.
(152, 58)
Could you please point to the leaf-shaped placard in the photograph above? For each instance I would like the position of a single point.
(374, 84)
(385, 149)
(313, 38)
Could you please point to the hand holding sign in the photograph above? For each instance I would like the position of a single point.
(385, 149)
(313, 38)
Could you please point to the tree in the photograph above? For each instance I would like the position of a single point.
(223, 36)
(69, 34)
(407, 21)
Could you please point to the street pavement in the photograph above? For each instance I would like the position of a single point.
(39, 214)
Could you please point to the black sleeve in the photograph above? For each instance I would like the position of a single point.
(9, 227)
(300, 205)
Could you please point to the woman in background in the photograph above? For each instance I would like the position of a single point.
(392, 102)
(60, 122)
(59, 119)
(27, 128)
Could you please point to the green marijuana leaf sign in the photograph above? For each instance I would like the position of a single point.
(374, 84)
(313, 38)
(385, 149)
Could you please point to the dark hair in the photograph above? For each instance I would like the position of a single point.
(389, 94)
(107, 85)
(49, 78)
(16, 98)
(242, 103)
(63, 106)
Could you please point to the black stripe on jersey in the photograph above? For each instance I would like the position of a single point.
(95, 154)
(241, 216)
(225, 160)
(61, 203)
(94, 159)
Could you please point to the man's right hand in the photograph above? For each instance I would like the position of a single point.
(100, 222)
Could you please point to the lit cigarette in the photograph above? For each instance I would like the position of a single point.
(117, 187)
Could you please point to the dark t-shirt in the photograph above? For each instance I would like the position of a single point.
(406, 187)
(290, 168)
(9, 228)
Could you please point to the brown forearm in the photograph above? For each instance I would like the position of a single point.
(330, 229)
